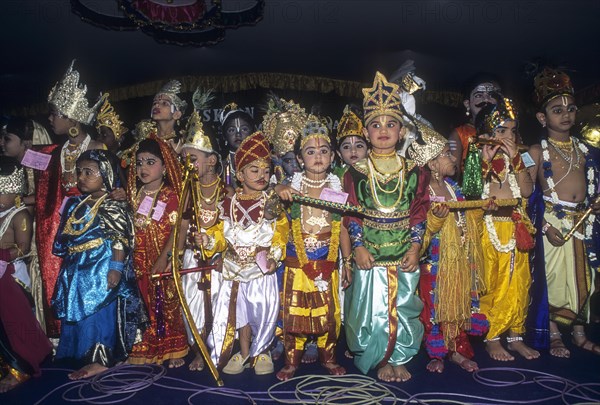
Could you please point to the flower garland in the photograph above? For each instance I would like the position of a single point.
(557, 207)
(489, 222)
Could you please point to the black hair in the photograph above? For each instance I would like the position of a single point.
(239, 114)
(21, 127)
(477, 79)
(8, 165)
(150, 146)
(481, 116)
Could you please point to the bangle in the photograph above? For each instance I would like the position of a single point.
(117, 266)
(545, 228)
(347, 261)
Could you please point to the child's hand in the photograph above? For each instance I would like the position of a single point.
(118, 194)
(410, 261)
(491, 205)
(160, 265)
(363, 259)
(554, 237)
(346, 275)
(200, 239)
(272, 266)
(510, 147)
(440, 210)
(488, 151)
(113, 278)
(285, 192)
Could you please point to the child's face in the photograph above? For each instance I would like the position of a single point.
(560, 113)
(202, 161)
(444, 164)
(236, 131)
(352, 149)
(254, 177)
(107, 137)
(89, 179)
(149, 168)
(60, 125)
(508, 130)
(7, 201)
(163, 109)
(290, 164)
(384, 132)
(317, 156)
(12, 145)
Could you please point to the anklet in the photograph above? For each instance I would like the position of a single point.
(495, 339)
(554, 335)
(513, 339)
(578, 334)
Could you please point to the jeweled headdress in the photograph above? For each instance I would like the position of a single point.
(13, 183)
(434, 144)
(282, 124)
(499, 114)
(227, 111)
(107, 117)
(382, 99)
(171, 89)
(551, 83)
(254, 147)
(68, 97)
(350, 125)
(195, 136)
(314, 128)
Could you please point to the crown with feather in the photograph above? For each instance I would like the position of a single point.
(196, 137)
(382, 99)
(282, 123)
(171, 89)
(68, 97)
(107, 117)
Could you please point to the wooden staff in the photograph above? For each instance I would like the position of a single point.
(182, 272)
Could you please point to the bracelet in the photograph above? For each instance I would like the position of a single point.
(545, 228)
(347, 261)
(117, 266)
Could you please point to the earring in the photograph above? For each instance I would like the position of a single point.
(18, 201)
(73, 132)
(544, 124)
(435, 175)
(468, 112)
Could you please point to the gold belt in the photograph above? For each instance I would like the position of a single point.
(386, 226)
(94, 243)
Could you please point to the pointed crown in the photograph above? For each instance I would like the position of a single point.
(499, 114)
(381, 99)
(350, 125)
(434, 144)
(252, 148)
(171, 89)
(68, 97)
(314, 127)
(551, 83)
(282, 124)
(107, 117)
(195, 136)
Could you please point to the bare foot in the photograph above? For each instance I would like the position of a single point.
(310, 354)
(8, 383)
(497, 352)
(520, 347)
(334, 368)
(87, 371)
(435, 366)
(581, 341)
(348, 354)
(286, 372)
(277, 350)
(463, 362)
(558, 348)
(401, 373)
(386, 373)
(197, 364)
(175, 363)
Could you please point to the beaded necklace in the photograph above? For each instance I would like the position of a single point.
(375, 185)
(89, 216)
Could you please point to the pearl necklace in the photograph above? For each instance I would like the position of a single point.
(70, 156)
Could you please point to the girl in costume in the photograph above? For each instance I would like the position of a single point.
(20, 353)
(381, 308)
(311, 305)
(256, 230)
(506, 236)
(96, 296)
(202, 245)
(451, 272)
(155, 204)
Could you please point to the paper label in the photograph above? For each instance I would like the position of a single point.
(159, 210)
(36, 160)
(329, 194)
(437, 198)
(261, 260)
(145, 206)
(527, 159)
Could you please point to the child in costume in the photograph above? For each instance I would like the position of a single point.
(155, 204)
(451, 272)
(256, 230)
(96, 296)
(236, 125)
(381, 308)
(351, 143)
(507, 232)
(111, 131)
(311, 305)
(202, 230)
(567, 181)
(20, 353)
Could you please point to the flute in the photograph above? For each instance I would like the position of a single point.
(493, 142)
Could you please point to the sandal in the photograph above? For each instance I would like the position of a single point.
(586, 344)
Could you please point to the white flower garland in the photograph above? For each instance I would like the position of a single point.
(566, 222)
(489, 222)
(332, 180)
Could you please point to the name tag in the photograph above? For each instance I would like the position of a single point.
(36, 160)
(329, 194)
(261, 260)
(159, 210)
(145, 206)
(437, 198)
(527, 159)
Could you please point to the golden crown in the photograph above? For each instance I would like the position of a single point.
(381, 99)
(13, 183)
(502, 112)
(195, 136)
(350, 125)
(314, 127)
(551, 83)
(107, 117)
(282, 124)
(68, 97)
(434, 145)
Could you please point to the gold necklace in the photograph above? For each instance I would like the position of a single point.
(72, 220)
(383, 155)
(374, 184)
(214, 194)
(390, 170)
(565, 145)
(240, 195)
